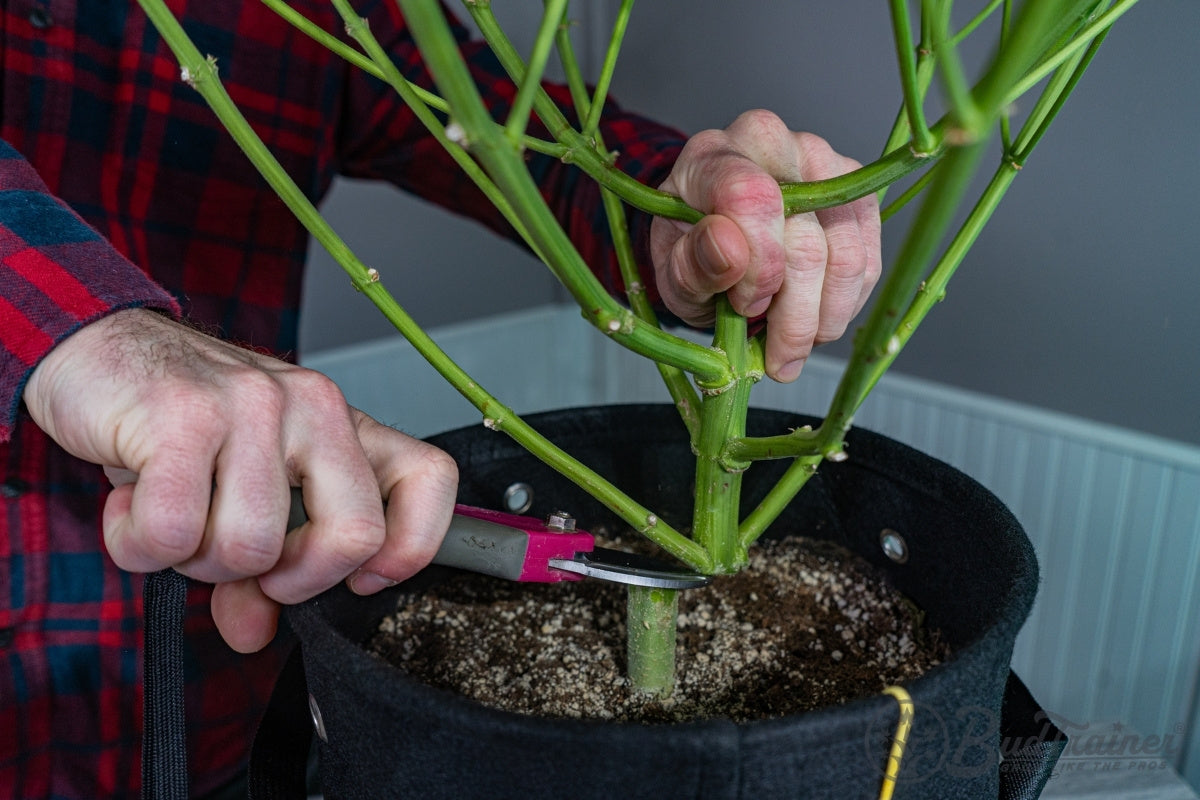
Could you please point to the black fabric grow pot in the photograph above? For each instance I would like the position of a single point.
(977, 733)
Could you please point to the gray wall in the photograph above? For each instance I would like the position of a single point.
(1081, 296)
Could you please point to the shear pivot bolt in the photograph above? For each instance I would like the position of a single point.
(561, 521)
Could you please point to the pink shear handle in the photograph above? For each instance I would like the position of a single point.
(511, 546)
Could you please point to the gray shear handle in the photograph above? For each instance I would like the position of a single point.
(471, 544)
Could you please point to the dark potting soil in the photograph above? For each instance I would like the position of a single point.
(808, 624)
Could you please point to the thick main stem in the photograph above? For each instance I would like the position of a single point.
(651, 638)
(722, 418)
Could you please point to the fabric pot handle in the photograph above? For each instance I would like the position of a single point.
(1031, 744)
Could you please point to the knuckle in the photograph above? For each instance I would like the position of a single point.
(202, 407)
(317, 389)
(439, 468)
(357, 539)
(760, 123)
(797, 337)
(872, 275)
(168, 541)
(247, 553)
(260, 393)
(808, 250)
(829, 334)
(848, 255)
(748, 192)
(705, 141)
(820, 161)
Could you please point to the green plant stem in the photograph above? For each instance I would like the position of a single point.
(414, 99)
(876, 340)
(1005, 119)
(879, 341)
(678, 386)
(581, 151)
(929, 293)
(969, 120)
(651, 636)
(1030, 136)
(340, 48)
(607, 69)
(800, 442)
(1052, 62)
(531, 82)
(784, 491)
(1037, 26)
(723, 417)
(923, 141)
(801, 198)
(574, 76)
(907, 196)
(676, 380)
(496, 415)
(505, 166)
(975, 22)
(359, 60)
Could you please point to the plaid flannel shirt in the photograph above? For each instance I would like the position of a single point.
(110, 161)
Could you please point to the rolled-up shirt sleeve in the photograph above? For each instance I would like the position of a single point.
(57, 274)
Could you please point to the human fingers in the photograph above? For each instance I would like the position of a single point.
(738, 247)
(852, 235)
(158, 521)
(246, 523)
(345, 525)
(704, 260)
(420, 484)
(833, 263)
(795, 311)
(245, 617)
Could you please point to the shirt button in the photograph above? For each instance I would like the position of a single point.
(39, 18)
(13, 488)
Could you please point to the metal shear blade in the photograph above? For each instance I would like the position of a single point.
(629, 568)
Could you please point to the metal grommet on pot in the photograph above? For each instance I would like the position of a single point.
(318, 722)
(518, 498)
(894, 546)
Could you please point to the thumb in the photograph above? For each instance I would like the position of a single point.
(706, 259)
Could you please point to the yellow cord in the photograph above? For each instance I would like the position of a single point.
(898, 741)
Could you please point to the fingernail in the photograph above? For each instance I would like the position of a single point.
(789, 372)
(363, 582)
(712, 258)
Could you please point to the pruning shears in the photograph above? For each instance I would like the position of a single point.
(528, 549)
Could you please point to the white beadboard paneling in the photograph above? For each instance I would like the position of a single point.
(1113, 515)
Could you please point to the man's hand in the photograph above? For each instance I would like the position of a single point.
(203, 440)
(810, 274)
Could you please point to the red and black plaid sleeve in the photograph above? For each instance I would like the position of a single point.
(126, 183)
(56, 274)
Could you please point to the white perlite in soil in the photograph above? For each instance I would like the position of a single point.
(806, 625)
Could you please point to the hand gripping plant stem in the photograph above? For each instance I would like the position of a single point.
(1046, 43)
